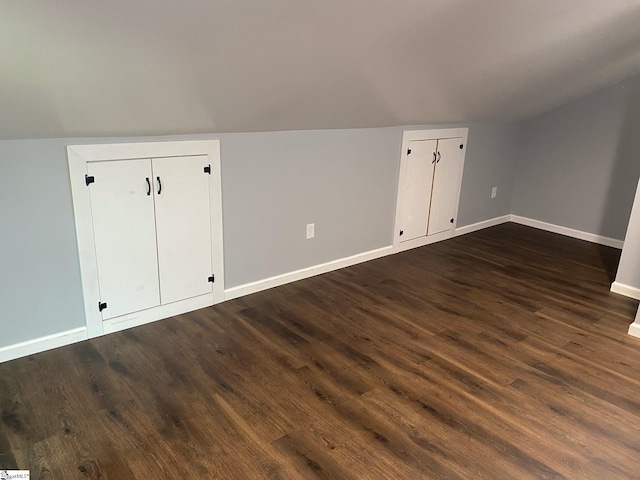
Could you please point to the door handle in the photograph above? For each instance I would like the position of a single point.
(159, 185)
(438, 157)
(434, 157)
(148, 186)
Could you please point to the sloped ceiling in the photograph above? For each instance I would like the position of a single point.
(145, 67)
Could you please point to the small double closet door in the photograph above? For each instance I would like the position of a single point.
(431, 187)
(152, 231)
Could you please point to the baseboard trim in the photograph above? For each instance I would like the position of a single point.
(42, 344)
(634, 330)
(569, 232)
(474, 227)
(626, 290)
(68, 337)
(258, 286)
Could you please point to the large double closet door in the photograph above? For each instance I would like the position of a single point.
(433, 169)
(152, 231)
(429, 186)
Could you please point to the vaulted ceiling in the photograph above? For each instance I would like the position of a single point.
(144, 67)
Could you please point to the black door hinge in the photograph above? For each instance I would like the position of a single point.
(409, 151)
(207, 169)
(88, 179)
(102, 306)
(212, 278)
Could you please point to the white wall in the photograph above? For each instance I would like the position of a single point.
(628, 275)
(578, 164)
(274, 184)
(490, 162)
(152, 67)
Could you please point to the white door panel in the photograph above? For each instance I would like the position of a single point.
(125, 236)
(183, 226)
(445, 182)
(417, 193)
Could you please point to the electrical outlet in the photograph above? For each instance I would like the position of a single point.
(494, 192)
(311, 230)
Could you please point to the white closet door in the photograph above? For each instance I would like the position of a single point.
(125, 236)
(445, 183)
(417, 185)
(183, 223)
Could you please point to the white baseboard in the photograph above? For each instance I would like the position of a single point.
(634, 330)
(42, 344)
(253, 287)
(626, 290)
(474, 227)
(569, 232)
(76, 335)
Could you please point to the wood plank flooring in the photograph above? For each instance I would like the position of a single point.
(496, 355)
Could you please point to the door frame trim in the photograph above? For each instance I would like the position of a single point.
(78, 158)
(410, 136)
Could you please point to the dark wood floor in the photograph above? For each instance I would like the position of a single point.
(497, 355)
